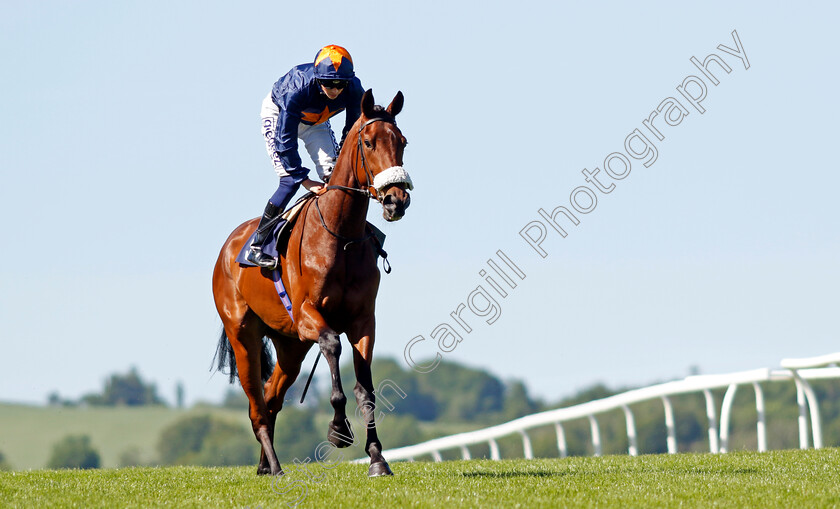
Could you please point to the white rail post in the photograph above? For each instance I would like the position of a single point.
(494, 450)
(596, 434)
(436, 455)
(816, 422)
(803, 418)
(714, 445)
(561, 440)
(465, 453)
(725, 411)
(526, 445)
(632, 442)
(669, 424)
(805, 396)
(761, 425)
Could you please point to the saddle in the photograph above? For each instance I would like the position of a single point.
(276, 243)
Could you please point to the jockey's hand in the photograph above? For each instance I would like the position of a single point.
(313, 186)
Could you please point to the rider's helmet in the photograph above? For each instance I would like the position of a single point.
(333, 63)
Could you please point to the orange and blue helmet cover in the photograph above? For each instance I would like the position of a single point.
(333, 63)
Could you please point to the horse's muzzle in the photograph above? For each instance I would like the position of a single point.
(394, 203)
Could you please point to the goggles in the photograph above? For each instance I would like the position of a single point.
(337, 84)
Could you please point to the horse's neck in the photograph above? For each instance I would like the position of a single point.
(347, 209)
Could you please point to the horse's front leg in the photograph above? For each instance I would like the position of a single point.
(366, 399)
(313, 326)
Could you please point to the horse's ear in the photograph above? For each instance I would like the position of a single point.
(367, 103)
(396, 105)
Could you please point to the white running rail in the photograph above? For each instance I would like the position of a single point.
(798, 370)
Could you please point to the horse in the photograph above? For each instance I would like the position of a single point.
(330, 270)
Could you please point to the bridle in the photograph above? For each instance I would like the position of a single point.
(367, 189)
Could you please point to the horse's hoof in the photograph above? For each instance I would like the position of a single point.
(379, 469)
(261, 470)
(341, 435)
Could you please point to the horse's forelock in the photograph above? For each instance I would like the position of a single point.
(381, 112)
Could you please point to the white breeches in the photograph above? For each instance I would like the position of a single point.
(318, 140)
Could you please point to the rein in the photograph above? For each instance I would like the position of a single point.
(365, 192)
(338, 235)
(386, 265)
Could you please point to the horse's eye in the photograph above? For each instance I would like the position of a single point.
(367, 143)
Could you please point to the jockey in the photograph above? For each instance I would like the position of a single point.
(299, 106)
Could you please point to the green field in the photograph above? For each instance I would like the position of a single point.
(27, 433)
(784, 479)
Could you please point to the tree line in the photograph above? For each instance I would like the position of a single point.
(127, 389)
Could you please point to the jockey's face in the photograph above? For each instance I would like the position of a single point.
(332, 93)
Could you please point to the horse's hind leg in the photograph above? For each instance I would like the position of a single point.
(247, 343)
(366, 401)
(290, 355)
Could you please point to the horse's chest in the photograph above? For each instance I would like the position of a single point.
(350, 292)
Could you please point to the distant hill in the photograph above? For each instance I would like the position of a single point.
(456, 399)
(27, 433)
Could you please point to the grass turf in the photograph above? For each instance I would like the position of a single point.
(745, 479)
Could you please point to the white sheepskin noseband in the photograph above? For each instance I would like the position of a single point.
(393, 175)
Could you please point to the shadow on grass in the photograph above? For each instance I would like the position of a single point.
(502, 475)
(721, 471)
(489, 474)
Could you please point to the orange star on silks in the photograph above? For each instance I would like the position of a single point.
(335, 54)
(318, 118)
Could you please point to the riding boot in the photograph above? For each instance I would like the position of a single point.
(267, 223)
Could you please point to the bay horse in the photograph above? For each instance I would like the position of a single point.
(330, 271)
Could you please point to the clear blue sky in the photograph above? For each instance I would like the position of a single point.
(130, 148)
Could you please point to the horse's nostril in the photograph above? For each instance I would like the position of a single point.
(388, 200)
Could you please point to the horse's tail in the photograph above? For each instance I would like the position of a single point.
(224, 358)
